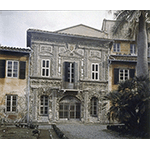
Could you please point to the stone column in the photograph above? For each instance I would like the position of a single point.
(86, 99)
(34, 106)
(54, 105)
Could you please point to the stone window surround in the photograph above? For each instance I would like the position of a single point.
(45, 68)
(95, 71)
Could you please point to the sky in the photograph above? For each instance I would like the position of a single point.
(15, 23)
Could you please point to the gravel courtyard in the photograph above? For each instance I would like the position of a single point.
(89, 131)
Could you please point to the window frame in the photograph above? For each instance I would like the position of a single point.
(133, 48)
(45, 68)
(93, 107)
(116, 48)
(71, 72)
(12, 69)
(11, 103)
(128, 76)
(95, 71)
(44, 106)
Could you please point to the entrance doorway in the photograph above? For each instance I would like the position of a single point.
(69, 108)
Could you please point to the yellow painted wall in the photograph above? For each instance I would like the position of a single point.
(124, 47)
(113, 86)
(13, 86)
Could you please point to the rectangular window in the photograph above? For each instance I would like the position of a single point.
(132, 49)
(95, 71)
(12, 69)
(11, 103)
(116, 47)
(45, 69)
(44, 105)
(71, 72)
(123, 74)
(93, 110)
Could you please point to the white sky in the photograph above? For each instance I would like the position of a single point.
(14, 24)
(16, 16)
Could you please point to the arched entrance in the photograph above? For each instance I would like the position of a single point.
(69, 108)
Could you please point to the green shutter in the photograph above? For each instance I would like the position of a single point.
(22, 70)
(2, 68)
(116, 75)
(132, 73)
(65, 68)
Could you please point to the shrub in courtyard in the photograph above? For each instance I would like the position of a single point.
(130, 104)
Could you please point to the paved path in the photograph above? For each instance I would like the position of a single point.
(47, 132)
(89, 131)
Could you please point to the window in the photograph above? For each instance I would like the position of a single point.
(123, 74)
(44, 105)
(93, 110)
(116, 47)
(148, 51)
(69, 108)
(69, 72)
(45, 71)
(132, 49)
(95, 71)
(11, 103)
(12, 69)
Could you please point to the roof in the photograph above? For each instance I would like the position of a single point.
(80, 31)
(124, 58)
(79, 25)
(83, 30)
(15, 49)
(67, 34)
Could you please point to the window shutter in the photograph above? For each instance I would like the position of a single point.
(65, 68)
(22, 70)
(75, 72)
(2, 68)
(132, 73)
(116, 75)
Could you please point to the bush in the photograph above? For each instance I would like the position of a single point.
(130, 104)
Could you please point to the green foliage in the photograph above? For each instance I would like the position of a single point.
(131, 17)
(130, 103)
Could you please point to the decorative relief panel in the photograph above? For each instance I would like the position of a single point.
(80, 51)
(45, 48)
(95, 53)
(62, 50)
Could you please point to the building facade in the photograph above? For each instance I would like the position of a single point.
(69, 74)
(14, 83)
(122, 57)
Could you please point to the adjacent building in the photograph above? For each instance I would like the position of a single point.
(69, 74)
(122, 57)
(14, 83)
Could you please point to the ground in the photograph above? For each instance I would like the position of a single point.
(73, 130)
(12, 132)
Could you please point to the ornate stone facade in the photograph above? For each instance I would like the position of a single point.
(70, 92)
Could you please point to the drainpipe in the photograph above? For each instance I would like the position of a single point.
(28, 89)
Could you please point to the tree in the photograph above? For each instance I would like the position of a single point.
(130, 104)
(137, 21)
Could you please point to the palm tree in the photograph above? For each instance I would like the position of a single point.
(137, 20)
(130, 104)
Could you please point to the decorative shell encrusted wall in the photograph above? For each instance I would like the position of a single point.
(58, 53)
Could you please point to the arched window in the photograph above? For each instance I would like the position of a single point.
(69, 108)
(93, 108)
(44, 105)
